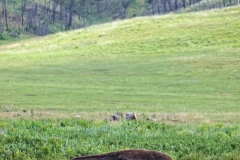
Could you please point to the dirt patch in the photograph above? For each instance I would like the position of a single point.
(28, 114)
(128, 155)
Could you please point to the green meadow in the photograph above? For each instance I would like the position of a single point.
(181, 70)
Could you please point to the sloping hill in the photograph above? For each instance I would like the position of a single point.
(216, 30)
(171, 63)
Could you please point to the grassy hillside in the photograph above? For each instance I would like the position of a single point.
(180, 71)
(186, 64)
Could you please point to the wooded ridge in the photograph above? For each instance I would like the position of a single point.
(42, 17)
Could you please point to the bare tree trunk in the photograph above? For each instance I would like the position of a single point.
(1, 29)
(158, 6)
(164, 6)
(82, 3)
(44, 6)
(170, 6)
(153, 11)
(5, 13)
(32, 18)
(61, 10)
(1, 11)
(54, 11)
(124, 4)
(176, 5)
(48, 6)
(70, 15)
(184, 3)
(121, 9)
(99, 9)
(23, 10)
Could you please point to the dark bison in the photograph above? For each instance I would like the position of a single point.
(128, 155)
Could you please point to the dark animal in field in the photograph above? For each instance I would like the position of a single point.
(114, 118)
(131, 116)
(128, 155)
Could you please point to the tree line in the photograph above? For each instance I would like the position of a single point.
(41, 17)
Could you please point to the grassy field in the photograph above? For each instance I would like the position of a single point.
(165, 64)
(179, 69)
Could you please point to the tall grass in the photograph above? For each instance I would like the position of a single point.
(68, 138)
